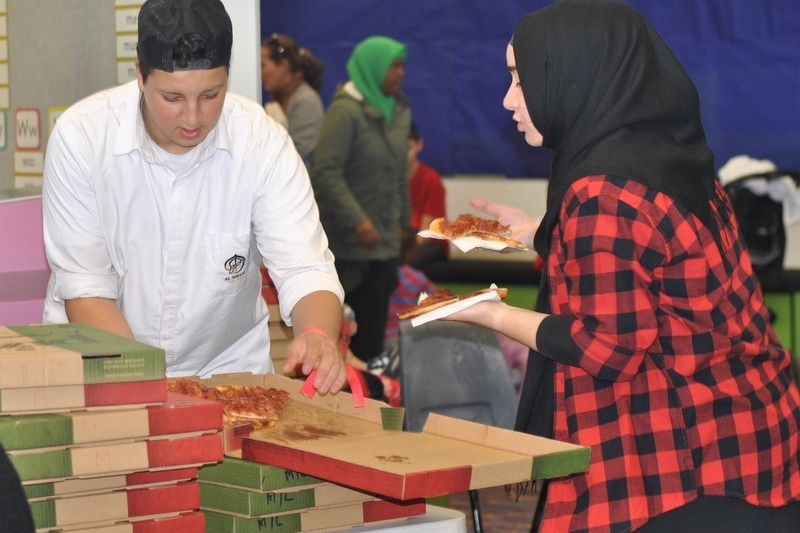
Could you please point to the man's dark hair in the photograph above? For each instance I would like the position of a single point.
(183, 35)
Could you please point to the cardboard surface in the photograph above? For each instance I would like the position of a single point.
(448, 456)
(254, 476)
(73, 354)
(329, 438)
(184, 496)
(180, 414)
(313, 519)
(342, 402)
(55, 464)
(243, 502)
(193, 522)
(279, 331)
(59, 398)
(84, 486)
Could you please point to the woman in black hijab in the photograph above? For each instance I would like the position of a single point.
(651, 337)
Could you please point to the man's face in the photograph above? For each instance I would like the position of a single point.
(181, 108)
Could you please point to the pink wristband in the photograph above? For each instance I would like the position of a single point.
(315, 329)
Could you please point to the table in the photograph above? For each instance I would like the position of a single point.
(435, 520)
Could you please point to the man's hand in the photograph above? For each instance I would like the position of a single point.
(314, 351)
(317, 321)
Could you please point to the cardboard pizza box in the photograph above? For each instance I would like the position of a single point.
(49, 355)
(259, 477)
(180, 414)
(278, 331)
(192, 522)
(85, 486)
(243, 502)
(314, 519)
(175, 451)
(116, 505)
(59, 398)
(328, 437)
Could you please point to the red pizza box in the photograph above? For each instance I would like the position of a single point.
(58, 398)
(193, 522)
(328, 437)
(180, 414)
(116, 505)
(83, 486)
(174, 451)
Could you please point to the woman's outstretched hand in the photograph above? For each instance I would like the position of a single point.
(523, 226)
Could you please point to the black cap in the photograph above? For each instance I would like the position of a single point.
(184, 35)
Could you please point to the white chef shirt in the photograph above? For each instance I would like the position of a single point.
(180, 251)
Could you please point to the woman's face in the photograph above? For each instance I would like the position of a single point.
(394, 77)
(515, 101)
(274, 76)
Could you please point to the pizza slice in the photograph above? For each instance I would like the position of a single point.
(442, 298)
(240, 404)
(432, 301)
(469, 225)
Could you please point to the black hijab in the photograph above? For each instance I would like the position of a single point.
(609, 97)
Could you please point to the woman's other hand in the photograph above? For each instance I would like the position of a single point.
(523, 226)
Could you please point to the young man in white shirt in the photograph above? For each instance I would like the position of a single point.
(162, 197)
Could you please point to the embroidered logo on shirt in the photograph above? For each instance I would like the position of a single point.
(235, 268)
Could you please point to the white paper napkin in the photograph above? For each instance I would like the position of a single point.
(465, 244)
(453, 307)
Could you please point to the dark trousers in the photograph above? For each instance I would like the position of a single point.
(717, 514)
(368, 286)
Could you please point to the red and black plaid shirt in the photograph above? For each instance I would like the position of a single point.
(681, 387)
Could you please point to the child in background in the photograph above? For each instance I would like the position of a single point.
(374, 384)
(411, 282)
(427, 203)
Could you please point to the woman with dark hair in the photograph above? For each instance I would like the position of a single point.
(293, 77)
(652, 340)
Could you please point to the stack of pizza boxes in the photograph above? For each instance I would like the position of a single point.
(97, 440)
(280, 335)
(240, 496)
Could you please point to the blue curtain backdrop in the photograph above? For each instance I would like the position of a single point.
(743, 55)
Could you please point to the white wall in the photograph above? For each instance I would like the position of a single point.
(530, 195)
(245, 78)
(526, 194)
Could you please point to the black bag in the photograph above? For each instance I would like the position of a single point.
(761, 222)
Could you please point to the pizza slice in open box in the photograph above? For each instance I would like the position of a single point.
(257, 405)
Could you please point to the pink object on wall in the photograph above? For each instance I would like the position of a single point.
(23, 264)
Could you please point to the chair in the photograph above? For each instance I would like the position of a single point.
(456, 370)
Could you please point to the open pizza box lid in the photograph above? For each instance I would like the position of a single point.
(326, 436)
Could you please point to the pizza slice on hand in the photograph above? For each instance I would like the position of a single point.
(469, 225)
